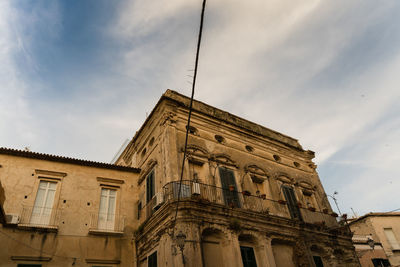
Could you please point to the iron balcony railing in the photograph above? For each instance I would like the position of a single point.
(107, 222)
(234, 199)
(39, 217)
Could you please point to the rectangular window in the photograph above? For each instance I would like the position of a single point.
(380, 262)
(42, 209)
(291, 202)
(248, 258)
(229, 188)
(139, 209)
(150, 186)
(152, 260)
(392, 239)
(318, 261)
(107, 209)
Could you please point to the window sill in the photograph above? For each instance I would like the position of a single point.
(35, 227)
(105, 232)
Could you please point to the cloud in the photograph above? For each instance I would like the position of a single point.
(324, 72)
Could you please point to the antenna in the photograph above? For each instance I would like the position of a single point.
(119, 152)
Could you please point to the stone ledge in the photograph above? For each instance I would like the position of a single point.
(43, 228)
(105, 232)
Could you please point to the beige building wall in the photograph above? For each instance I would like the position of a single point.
(71, 231)
(374, 224)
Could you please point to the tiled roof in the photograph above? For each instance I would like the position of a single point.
(62, 159)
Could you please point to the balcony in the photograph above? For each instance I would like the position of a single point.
(106, 224)
(208, 194)
(39, 217)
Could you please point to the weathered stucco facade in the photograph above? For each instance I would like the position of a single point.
(384, 230)
(67, 229)
(247, 192)
(250, 196)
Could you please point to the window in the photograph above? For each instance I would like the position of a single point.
(291, 202)
(139, 209)
(107, 209)
(229, 188)
(318, 261)
(391, 239)
(152, 260)
(150, 186)
(248, 258)
(380, 262)
(42, 209)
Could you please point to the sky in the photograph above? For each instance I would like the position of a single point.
(77, 78)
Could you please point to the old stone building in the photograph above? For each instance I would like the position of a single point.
(250, 196)
(377, 238)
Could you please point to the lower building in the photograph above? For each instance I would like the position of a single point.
(65, 212)
(377, 238)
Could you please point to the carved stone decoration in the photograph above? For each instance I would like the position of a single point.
(257, 174)
(284, 179)
(149, 166)
(168, 117)
(305, 185)
(196, 154)
(300, 255)
(224, 159)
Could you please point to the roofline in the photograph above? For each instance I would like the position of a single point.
(197, 105)
(375, 214)
(54, 158)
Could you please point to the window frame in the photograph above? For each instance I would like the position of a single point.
(248, 248)
(54, 205)
(151, 184)
(227, 193)
(107, 228)
(150, 259)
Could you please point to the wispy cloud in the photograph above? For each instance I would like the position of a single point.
(325, 72)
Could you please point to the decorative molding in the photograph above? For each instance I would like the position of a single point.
(105, 232)
(284, 179)
(110, 180)
(30, 258)
(305, 185)
(146, 170)
(168, 117)
(52, 174)
(224, 159)
(101, 261)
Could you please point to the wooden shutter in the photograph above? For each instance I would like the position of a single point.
(150, 190)
(291, 202)
(228, 179)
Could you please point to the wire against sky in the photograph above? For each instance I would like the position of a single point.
(190, 112)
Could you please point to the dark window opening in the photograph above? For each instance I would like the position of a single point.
(139, 209)
(277, 158)
(248, 258)
(192, 130)
(292, 202)
(380, 262)
(229, 188)
(318, 261)
(150, 183)
(152, 260)
(219, 138)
